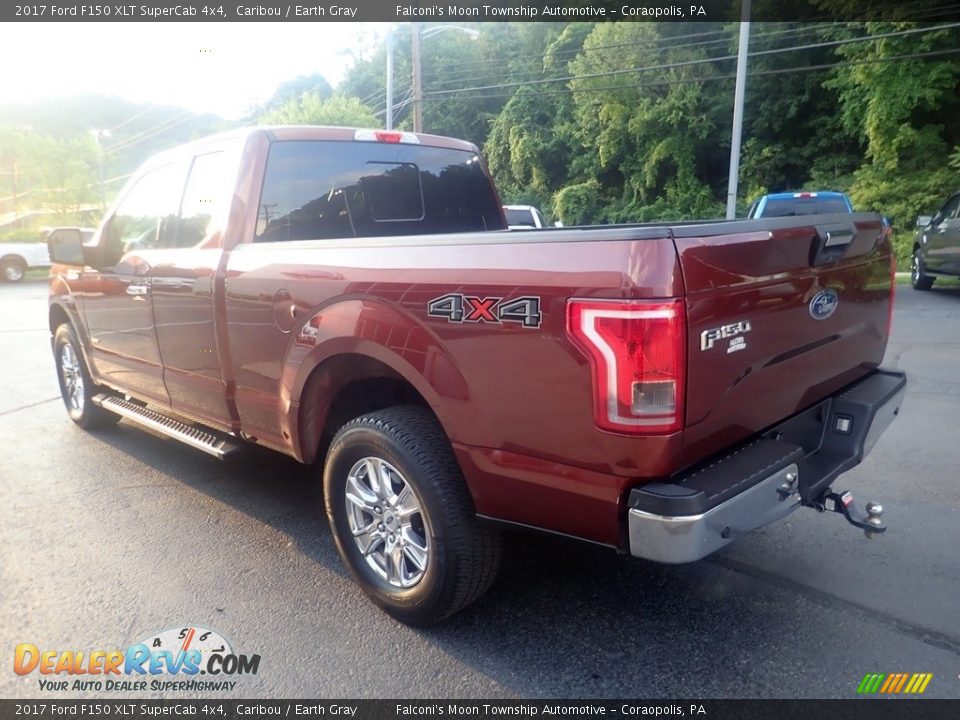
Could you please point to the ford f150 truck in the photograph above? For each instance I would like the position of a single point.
(352, 298)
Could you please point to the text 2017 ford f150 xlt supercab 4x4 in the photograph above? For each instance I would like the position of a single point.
(351, 298)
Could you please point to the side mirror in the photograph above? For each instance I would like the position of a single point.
(924, 220)
(66, 246)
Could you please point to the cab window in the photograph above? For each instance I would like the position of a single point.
(145, 217)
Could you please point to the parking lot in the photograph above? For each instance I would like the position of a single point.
(109, 538)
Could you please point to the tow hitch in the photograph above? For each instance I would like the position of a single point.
(843, 503)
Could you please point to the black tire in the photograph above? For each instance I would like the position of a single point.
(71, 370)
(12, 269)
(462, 555)
(919, 279)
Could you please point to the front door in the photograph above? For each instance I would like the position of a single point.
(116, 295)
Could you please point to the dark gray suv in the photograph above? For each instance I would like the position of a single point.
(936, 246)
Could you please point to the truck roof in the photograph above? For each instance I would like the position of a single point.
(322, 132)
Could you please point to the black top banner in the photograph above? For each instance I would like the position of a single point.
(482, 11)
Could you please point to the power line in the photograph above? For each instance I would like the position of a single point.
(671, 45)
(714, 78)
(919, 12)
(686, 63)
(156, 130)
(130, 120)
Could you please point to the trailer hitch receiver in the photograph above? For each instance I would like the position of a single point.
(843, 503)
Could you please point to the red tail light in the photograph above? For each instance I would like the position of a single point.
(637, 353)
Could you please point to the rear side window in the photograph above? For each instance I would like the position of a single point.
(326, 190)
(206, 193)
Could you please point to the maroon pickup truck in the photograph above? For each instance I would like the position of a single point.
(352, 298)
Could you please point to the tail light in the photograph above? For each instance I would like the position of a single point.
(637, 353)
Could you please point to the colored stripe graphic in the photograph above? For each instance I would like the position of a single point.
(870, 683)
(894, 683)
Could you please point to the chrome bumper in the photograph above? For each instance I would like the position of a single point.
(790, 465)
(684, 539)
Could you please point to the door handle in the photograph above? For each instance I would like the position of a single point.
(138, 289)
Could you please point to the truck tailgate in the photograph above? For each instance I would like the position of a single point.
(780, 313)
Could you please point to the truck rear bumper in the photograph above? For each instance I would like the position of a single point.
(790, 465)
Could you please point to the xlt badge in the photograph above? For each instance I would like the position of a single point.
(708, 338)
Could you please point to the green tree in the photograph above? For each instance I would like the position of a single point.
(311, 109)
(907, 112)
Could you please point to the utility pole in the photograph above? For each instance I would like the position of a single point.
(98, 136)
(389, 120)
(417, 84)
(739, 90)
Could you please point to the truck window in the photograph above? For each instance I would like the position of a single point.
(208, 188)
(146, 212)
(328, 189)
(804, 206)
(519, 217)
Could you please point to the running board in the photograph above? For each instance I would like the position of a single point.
(221, 447)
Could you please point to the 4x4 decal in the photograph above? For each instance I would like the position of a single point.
(459, 308)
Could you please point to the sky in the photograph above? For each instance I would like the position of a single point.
(221, 68)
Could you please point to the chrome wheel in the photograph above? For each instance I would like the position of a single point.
(387, 523)
(12, 272)
(72, 377)
(915, 269)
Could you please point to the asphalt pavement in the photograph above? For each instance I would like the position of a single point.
(108, 538)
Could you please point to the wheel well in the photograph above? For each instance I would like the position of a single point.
(58, 316)
(343, 388)
(14, 258)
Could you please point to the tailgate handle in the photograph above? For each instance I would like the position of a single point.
(833, 238)
(831, 242)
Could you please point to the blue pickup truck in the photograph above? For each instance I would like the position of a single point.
(800, 203)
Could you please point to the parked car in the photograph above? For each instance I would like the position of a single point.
(800, 203)
(523, 217)
(17, 258)
(936, 245)
(350, 298)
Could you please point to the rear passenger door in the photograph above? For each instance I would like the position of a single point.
(182, 278)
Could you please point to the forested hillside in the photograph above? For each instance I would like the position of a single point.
(631, 122)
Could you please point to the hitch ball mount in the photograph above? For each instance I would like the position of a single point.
(844, 504)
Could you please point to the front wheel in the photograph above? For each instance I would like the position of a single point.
(76, 387)
(918, 279)
(403, 519)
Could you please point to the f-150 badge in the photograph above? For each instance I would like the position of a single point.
(708, 338)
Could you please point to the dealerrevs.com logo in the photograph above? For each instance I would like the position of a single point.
(185, 654)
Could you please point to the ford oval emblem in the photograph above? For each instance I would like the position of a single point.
(824, 304)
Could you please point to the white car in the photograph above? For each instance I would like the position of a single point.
(17, 258)
(523, 217)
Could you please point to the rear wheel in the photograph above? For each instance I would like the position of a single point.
(402, 518)
(918, 279)
(76, 387)
(12, 269)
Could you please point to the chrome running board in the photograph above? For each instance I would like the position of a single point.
(220, 446)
